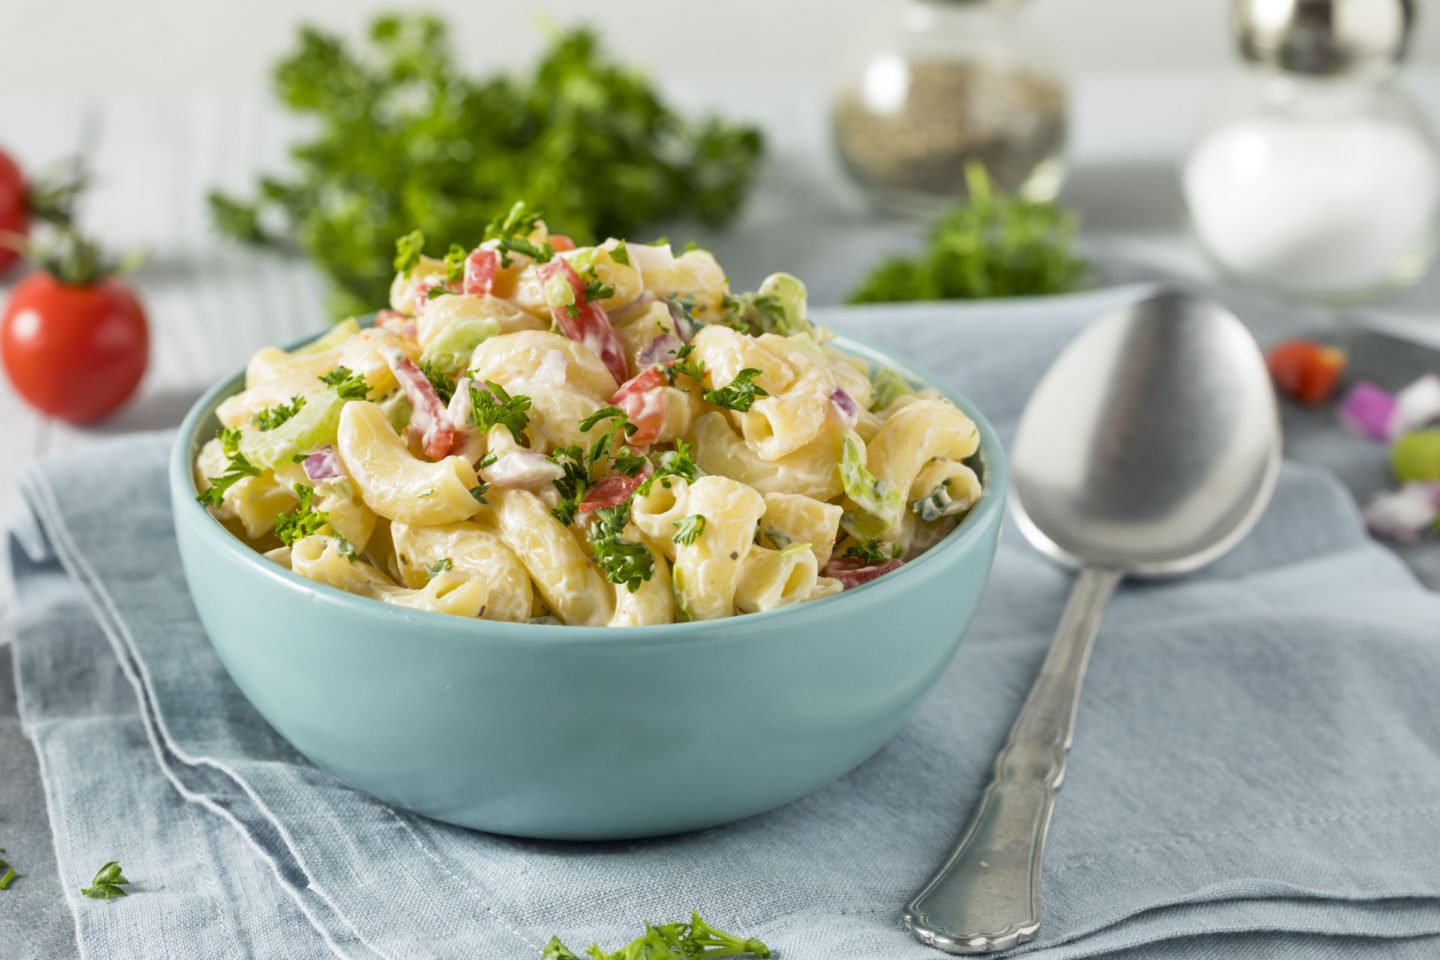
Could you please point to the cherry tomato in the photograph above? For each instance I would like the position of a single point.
(14, 208)
(1306, 370)
(74, 352)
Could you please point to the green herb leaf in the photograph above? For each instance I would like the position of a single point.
(694, 369)
(443, 383)
(573, 484)
(694, 940)
(107, 883)
(349, 386)
(740, 393)
(620, 253)
(628, 462)
(992, 246)
(238, 469)
(608, 413)
(495, 406)
(303, 521)
(620, 560)
(888, 386)
(8, 875)
(679, 462)
(408, 251)
(438, 567)
(688, 529)
(872, 550)
(272, 417)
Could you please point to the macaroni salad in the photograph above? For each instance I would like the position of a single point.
(600, 436)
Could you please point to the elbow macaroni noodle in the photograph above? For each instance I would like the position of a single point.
(478, 452)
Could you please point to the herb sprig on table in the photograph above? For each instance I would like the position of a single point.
(694, 940)
(406, 139)
(993, 245)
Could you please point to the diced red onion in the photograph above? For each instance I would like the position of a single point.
(845, 406)
(521, 468)
(1404, 514)
(323, 464)
(684, 325)
(1416, 405)
(552, 370)
(660, 350)
(612, 490)
(1367, 410)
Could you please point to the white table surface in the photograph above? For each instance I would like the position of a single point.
(211, 303)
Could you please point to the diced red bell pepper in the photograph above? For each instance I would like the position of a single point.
(480, 269)
(853, 571)
(645, 402)
(614, 489)
(1305, 370)
(428, 417)
(586, 323)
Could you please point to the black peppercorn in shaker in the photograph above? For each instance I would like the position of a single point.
(957, 81)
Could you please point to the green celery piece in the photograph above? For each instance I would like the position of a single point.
(875, 497)
(314, 426)
(397, 409)
(790, 292)
(1415, 458)
(333, 337)
(888, 385)
(450, 351)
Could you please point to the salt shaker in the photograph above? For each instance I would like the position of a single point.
(1315, 175)
(950, 82)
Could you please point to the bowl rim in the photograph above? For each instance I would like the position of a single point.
(975, 526)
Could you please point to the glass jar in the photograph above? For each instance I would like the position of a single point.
(1315, 176)
(955, 81)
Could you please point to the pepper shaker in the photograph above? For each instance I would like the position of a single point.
(1315, 175)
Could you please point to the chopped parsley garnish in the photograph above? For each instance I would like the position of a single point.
(740, 393)
(349, 385)
(408, 250)
(688, 529)
(872, 550)
(107, 883)
(495, 406)
(513, 233)
(303, 521)
(627, 462)
(443, 383)
(272, 417)
(595, 289)
(695, 369)
(438, 567)
(755, 313)
(488, 460)
(455, 265)
(670, 941)
(888, 386)
(620, 253)
(607, 413)
(9, 874)
(346, 548)
(238, 469)
(573, 484)
(679, 462)
(478, 492)
(620, 560)
(435, 292)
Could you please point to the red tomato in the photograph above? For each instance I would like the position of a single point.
(1306, 370)
(76, 353)
(14, 208)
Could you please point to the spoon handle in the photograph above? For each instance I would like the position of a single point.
(987, 895)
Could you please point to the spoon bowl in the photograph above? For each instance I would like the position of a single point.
(1151, 444)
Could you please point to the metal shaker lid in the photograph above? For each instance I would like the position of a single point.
(1324, 37)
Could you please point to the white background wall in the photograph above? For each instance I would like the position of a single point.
(134, 45)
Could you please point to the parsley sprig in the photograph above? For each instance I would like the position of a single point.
(494, 406)
(272, 417)
(348, 384)
(679, 462)
(434, 570)
(694, 369)
(238, 469)
(443, 383)
(513, 231)
(695, 940)
(688, 529)
(872, 550)
(739, 394)
(620, 560)
(303, 521)
(8, 875)
(107, 883)
(573, 484)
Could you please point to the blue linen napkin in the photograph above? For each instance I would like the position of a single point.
(1254, 774)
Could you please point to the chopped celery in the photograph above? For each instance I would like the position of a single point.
(314, 426)
(450, 350)
(875, 497)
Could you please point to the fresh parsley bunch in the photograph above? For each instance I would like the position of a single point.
(992, 246)
(404, 139)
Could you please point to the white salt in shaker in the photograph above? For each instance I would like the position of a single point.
(1315, 175)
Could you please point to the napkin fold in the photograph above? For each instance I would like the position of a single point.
(1254, 773)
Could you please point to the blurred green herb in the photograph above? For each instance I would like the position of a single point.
(991, 246)
(8, 875)
(107, 883)
(695, 940)
(405, 139)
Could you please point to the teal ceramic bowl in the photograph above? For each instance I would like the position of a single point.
(583, 732)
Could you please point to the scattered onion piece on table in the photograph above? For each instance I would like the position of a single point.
(1404, 514)
(1306, 371)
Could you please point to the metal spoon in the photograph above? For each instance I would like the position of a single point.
(1149, 448)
